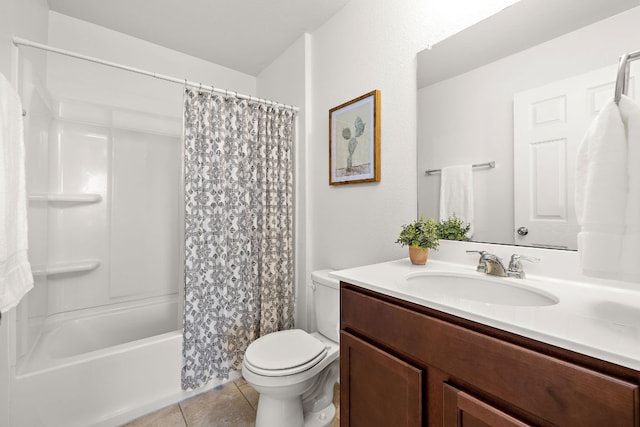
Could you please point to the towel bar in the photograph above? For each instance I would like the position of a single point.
(489, 165)
(622, 79)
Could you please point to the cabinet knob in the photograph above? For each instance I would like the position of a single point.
(523, 231)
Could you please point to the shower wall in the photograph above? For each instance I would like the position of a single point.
(104, 185)
(104, 189)
(114, 207)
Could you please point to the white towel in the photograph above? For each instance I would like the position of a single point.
(630, 260)
(456, 194)
(15, 272)
(607, 245)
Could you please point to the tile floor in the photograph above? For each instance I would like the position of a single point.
(230, 405)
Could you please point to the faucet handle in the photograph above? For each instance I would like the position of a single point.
(515, 266)
(515, 259)
(476, 252)
(482, 263)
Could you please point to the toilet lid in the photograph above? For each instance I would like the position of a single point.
(284, 353)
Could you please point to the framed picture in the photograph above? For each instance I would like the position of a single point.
(354, 140)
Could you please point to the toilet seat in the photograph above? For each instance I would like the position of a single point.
(284, 353)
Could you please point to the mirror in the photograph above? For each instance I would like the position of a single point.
(507, 90)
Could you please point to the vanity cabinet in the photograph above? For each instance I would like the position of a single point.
(403, 364)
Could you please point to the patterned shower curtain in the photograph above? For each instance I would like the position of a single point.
(238, 230)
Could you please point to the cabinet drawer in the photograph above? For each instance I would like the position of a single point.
(557, 391)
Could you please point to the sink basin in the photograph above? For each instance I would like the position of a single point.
(480, 288)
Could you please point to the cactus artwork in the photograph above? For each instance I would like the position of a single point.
(352, 141)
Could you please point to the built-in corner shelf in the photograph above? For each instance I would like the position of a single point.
(65, 197)
(67, 267)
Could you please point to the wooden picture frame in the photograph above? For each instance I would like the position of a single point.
(354, 140)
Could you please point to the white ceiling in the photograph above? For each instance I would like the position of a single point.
(244, 35)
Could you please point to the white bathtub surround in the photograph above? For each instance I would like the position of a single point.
(608, 193)
(238, 176)
(113, 207)
(593, 316)
(15, 272)
(101, 330)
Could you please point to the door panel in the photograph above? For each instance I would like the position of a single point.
(377, 388)
(549, 123)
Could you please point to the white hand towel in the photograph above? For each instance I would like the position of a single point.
(15, 272)
(601, 194)
(630, 259)
(456, 194)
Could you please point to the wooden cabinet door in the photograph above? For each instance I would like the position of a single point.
(376, 388)
(463, 410)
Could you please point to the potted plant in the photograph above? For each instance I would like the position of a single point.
(421, 235)
(453, 228)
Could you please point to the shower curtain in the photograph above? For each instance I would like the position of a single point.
(238, 230)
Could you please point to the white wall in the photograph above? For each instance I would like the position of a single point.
(288, 79)
(372, 44)
(23, 18)
(469, 118)
(103, 85)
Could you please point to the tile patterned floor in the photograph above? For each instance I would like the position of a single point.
(230, 405)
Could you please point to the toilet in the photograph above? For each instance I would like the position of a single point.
(295, 371)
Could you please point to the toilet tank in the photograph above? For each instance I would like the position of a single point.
(326, 293)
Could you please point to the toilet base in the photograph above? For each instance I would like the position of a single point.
(322, 418)
(279, 412)
(288, 413)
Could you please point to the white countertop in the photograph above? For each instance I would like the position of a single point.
(592, 319)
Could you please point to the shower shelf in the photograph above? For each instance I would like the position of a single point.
(67, 267)
(66, 197)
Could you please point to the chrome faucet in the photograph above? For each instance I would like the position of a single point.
(515, 266)
(490, 264)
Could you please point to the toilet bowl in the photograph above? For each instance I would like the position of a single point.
(295, 371)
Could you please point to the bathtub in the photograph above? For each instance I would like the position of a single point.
(101, 367)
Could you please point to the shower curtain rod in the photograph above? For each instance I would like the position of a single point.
(18, 41)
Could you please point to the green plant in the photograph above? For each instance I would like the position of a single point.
(422, 233)
(453, 228)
